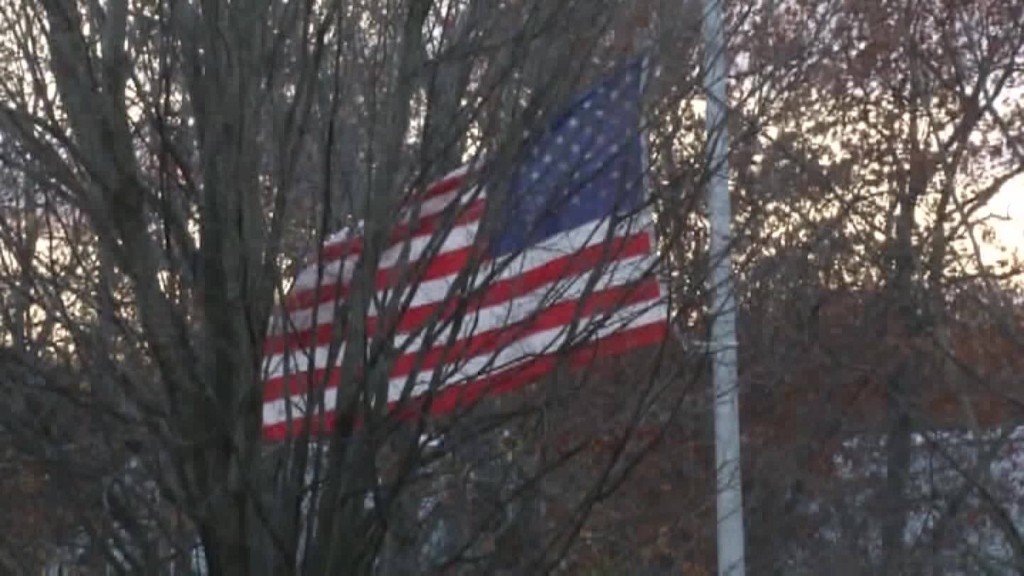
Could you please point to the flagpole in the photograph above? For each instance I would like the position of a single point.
(729, 488)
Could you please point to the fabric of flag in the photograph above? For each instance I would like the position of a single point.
(477, 299)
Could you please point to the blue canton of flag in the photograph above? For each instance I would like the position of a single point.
(586, 166)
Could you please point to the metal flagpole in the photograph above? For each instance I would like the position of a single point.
(723, 328)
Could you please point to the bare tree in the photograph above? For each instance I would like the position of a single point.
(168, 168)
(867, 189)
(168, 162)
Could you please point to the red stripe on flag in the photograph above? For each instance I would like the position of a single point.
(444, 186)
(478, 344)
(440, 265)
(424, 226)
(561, 314)
(461, 397)
(566, 266)
(353, 248)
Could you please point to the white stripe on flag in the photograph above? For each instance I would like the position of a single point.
(484, 365)
(617, 273)
(436, 290)
(340, 271)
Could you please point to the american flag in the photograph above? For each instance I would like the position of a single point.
(476, 299)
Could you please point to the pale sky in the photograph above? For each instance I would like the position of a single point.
(1010, 203)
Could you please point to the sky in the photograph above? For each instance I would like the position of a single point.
(1009, 202)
